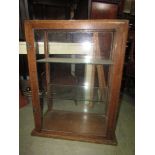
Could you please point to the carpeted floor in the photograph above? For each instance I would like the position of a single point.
(125, 132)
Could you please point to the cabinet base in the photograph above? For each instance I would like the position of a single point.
(75, 137)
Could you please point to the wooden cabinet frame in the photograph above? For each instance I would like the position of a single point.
(120, 28)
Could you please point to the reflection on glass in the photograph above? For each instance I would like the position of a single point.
(86, 85)
(88, 58)
(86, 46)
(85, 110)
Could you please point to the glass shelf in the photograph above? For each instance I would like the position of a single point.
(76, 93)
(76, 61)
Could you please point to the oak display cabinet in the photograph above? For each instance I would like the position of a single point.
(75, 69)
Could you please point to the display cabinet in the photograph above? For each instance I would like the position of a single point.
(75, 69)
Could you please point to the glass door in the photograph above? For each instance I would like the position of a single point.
(73, 72)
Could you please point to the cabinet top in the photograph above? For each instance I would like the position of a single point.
(77, 24)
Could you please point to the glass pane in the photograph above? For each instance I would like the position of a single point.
(73, 75)
(72, 44)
